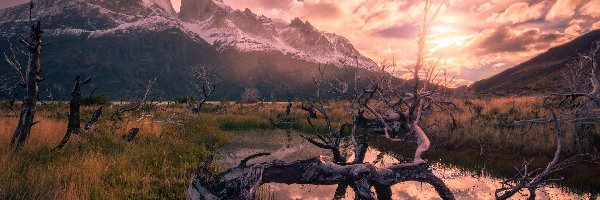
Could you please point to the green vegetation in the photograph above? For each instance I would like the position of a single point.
(160, 161)
(101, 164)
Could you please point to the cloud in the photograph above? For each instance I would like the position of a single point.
(476, 37)
(318, 9)
(520, 12)
(261, 4)
(574, 30)
(595, 26)
(402, 31)
(563, 9)
(504, 39)
(592, 8)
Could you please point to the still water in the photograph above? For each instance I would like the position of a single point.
(290, 147)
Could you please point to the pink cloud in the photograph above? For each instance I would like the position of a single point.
(520, 12)
(595, 26)
(563, 9)
(592, 8)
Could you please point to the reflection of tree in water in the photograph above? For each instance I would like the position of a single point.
(242, 182)
(399, 107)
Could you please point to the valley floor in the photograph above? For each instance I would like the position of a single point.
(159, 162)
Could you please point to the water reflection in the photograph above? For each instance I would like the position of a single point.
(464, 184)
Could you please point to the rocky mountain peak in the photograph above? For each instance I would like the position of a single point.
(197, 10)
(296, 22)
(305, 26)
(164, 5)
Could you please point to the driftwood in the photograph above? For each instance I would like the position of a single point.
(31, 80)
(242, 182)
(90, 124)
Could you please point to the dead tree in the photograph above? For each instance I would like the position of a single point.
(30, 79)
(74, 124)
(408, 106)
(242, 182)
(533, 179)
(205, 84)
(355, 96)
(575, 106)
(137, 104)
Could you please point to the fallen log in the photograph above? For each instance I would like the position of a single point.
(90, 124)
(242, 182)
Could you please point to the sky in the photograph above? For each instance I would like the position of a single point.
(474, 39)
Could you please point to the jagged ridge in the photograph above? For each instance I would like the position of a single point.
(226, 28)
(124, 43)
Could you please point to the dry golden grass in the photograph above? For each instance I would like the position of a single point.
(46, 132)
(101, 164)
(160, 161)
(492, 126)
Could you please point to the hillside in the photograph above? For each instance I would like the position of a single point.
(540, 74)
(123, 44)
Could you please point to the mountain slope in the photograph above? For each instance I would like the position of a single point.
(245, 31)
(542, 73)
(123, 44)
(120, 44)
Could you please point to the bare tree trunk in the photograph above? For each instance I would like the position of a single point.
(32, 81)
(422, 141)
(242, 182)
(74, 125)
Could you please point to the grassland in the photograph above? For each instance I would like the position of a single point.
(160, 161)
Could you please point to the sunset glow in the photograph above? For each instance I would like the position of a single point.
(387, 29)
(299, 99)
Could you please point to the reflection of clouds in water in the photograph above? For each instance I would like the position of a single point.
(465, 185)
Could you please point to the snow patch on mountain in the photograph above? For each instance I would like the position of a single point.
(247, 32)
(214, 22)
(150, 24)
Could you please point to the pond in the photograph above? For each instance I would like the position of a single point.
(290, 147)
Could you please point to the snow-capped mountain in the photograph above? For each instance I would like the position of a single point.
(227, 28)
(211, 20)
(126, 42)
